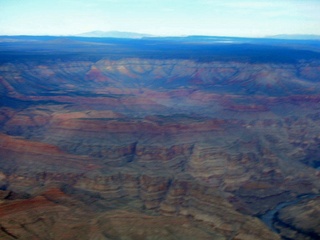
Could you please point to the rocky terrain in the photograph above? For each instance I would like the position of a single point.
(300, 221)
(103, 146)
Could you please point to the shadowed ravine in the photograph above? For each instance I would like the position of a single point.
(270, 217)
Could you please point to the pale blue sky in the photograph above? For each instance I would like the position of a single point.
(161, 17)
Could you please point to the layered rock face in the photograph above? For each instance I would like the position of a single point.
(300, 221)
(142, 148)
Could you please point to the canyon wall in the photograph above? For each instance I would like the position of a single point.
(140, 147)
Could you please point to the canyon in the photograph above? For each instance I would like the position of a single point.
(158, 138)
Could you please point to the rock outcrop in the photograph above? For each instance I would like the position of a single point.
(300, 221)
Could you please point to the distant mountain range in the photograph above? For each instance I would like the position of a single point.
(114, 34)
(120, 34)
(296, 36)
(134, 35)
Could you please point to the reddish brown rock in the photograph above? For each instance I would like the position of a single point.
(137, 148)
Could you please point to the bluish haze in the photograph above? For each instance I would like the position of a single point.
(166, 17)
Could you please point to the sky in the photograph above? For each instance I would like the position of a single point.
(245, 18)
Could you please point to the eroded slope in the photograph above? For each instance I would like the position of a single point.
(162, 148)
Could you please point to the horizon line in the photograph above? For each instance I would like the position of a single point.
(297, 36)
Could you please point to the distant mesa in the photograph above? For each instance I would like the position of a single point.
(113, 34)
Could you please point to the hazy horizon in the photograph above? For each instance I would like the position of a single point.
(116, 32)
(246, 18)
